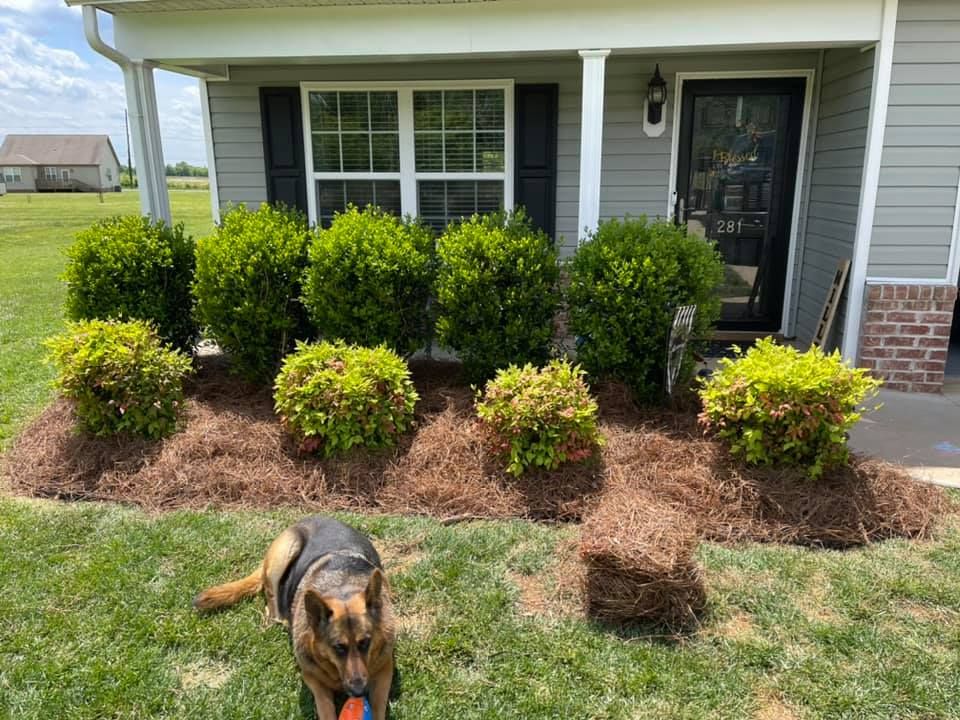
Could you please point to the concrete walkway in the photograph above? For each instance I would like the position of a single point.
(920, 431)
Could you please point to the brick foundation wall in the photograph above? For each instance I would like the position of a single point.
(906, 333)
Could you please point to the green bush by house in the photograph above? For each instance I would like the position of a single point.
(540, 418)
(247, 286)
(128, 267)
(775, 405)
(332, 396)
(120, 377)
(625, 284)
(496, 292)
(369, 279)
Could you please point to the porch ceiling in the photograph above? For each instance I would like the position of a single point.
(144, 6)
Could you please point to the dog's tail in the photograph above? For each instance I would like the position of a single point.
(229, 593)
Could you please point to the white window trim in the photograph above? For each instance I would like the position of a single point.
(408, 176)
(809, 74)
(15, 174)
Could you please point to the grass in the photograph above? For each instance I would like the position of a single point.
(34, 231)
(98, 623)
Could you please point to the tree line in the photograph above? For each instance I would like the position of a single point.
(181, 169)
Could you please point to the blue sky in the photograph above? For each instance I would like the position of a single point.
(51, 81)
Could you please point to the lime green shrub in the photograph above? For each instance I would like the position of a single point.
(120, 377)
(332, 396)
(625, 283)
(369, 279)
(775, 405)
(248, 286)
(127, 267)
(496, 292)
(539, 418)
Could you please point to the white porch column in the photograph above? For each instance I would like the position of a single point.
(145, 138)
(591, 140)
(870, 180)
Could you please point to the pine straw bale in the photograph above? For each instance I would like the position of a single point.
(639, 559)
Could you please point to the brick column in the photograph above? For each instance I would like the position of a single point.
(906, 332)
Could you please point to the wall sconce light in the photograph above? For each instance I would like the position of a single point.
(654, 123)
(656, 97)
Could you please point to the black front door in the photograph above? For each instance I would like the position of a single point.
(739, 146)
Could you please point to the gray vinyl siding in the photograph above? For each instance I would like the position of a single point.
(27, 182)
(920, 166)
(839, 147)
(635, 169)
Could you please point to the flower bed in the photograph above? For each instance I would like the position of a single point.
(232, 453)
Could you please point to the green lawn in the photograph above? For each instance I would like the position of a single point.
(97, 623)
(34, 230)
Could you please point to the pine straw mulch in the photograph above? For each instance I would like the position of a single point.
(233, 454)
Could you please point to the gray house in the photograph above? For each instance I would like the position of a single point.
(59, 163)
(797, 134)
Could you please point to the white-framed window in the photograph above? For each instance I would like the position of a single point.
(109, 175)
(50, 173)
(439, 150)
(12, 175)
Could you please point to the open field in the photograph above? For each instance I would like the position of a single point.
(34, 230)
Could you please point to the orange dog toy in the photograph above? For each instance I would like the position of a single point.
(356, 709)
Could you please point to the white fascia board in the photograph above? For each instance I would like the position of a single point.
(303, 34)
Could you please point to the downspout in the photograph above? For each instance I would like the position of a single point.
(91, 29)
(145, 126)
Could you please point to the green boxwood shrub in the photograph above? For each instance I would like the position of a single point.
(775, 405)
(332, 396)
(131, 268)
(247, 286)
(120, 377)
(496, 292)
(369, 279)
(539, 418)
(625, 283)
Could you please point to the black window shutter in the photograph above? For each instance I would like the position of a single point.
(283, 146)
(535, 134)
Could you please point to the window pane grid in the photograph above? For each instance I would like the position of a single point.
(349, 137)
(457, 145)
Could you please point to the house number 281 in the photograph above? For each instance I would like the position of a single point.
(727, 227)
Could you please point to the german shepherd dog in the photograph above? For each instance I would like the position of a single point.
(325, 582)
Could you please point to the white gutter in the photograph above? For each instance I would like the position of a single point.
(91, 30)
(144, 120)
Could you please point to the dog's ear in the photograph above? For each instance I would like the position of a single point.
(317, 609)
(374, 591)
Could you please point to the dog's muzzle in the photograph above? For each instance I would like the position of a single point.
(356, 688)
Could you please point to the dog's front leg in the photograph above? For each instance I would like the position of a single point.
(322, 698)
(379, 686)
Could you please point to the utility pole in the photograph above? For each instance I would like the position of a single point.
(126, 129)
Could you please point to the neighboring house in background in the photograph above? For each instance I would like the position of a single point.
(59, 163)
(794, 133)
